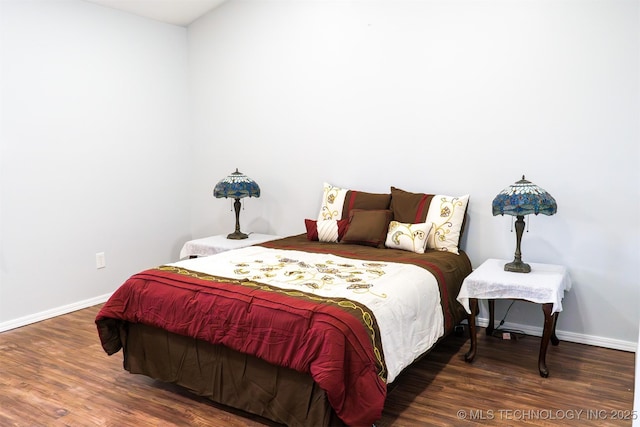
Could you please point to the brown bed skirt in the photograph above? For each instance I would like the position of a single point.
(226, 376)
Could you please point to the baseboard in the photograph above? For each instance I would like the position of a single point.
(54, 312)
(569, 336)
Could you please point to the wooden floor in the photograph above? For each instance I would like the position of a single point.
(55, 373)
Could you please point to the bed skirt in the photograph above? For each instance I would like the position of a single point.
(250, 384)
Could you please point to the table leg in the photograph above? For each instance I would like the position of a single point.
(473, 305)
(547, 333)
(492, 309)
(554, 338)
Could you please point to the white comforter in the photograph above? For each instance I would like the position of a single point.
(404, 298)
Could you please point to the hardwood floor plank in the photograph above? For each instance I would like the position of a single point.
(55, 373)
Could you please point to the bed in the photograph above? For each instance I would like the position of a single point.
(305, 330)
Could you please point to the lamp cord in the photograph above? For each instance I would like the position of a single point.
(515, 334)
(505, 315)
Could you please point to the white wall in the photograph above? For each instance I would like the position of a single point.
(435, 96)
(450, 97)
(94, 152)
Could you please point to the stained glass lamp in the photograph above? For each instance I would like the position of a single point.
(237, 186)
(520, 199)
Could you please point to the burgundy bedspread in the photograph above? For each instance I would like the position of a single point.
(330, 339)
(324, 340)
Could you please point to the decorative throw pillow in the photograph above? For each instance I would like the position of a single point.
(408, 237)
(446, 214)
(363, 200)
(409, 207)
(332, 202)
(326, 230)
(368, 227)
(338, 202)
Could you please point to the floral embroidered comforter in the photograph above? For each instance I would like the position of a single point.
(352, 321)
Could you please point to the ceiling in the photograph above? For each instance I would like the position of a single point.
(176, 12)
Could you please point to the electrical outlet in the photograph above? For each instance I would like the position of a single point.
(101, 261)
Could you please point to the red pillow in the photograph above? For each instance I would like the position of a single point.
(330, 230)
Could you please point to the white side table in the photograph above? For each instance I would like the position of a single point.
(545, 284)
(215, 244)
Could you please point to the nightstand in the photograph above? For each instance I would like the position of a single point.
(216, 244)
(545, 284)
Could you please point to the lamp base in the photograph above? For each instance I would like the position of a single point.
(237, 235)
(517, 266)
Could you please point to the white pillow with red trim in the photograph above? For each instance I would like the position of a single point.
(332, 202)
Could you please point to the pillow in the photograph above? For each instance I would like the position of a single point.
(368, 227)
(332, 202)
(408, 237)
(338, 202)
(366, 201)
(446, 213)
(409, 208)
(326, 230)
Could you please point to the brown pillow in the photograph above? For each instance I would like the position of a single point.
(363, 200)
(368, 227)
(409, 207)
